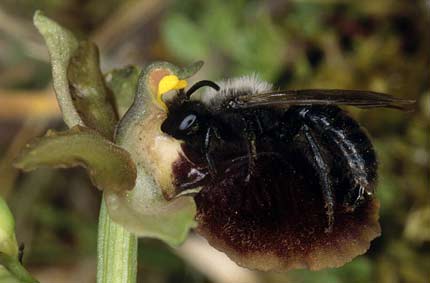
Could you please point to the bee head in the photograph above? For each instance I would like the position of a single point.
(187, 118)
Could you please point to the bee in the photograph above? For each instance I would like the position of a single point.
(281, 173)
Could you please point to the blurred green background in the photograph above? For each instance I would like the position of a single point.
(378, 45)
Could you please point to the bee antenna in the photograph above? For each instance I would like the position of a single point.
(201, 84)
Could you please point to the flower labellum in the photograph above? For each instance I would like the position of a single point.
(276, 220)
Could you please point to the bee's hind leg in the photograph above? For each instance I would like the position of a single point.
(322, 169)
(355, 156)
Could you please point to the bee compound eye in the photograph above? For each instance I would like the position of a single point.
(187, 122)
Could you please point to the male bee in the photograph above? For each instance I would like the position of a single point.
(286, 177)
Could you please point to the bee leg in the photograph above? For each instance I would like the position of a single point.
(321, 168)
(344, 135)
(362, 195)
(207, 152)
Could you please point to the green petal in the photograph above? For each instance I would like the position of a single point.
(89, 93)
(61, 46)
(123, 83)
(109, 166)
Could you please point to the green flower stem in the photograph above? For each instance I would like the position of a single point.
(116, 251)
(16, 269)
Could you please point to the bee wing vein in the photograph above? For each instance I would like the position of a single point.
(359, 98)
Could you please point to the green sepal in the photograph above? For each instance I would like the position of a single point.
(109, 166)
(92, 99)
(61, 45)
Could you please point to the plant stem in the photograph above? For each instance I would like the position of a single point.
(116, 251)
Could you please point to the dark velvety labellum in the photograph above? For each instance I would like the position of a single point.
(279, 212)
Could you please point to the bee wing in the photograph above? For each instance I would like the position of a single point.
(308, 97)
